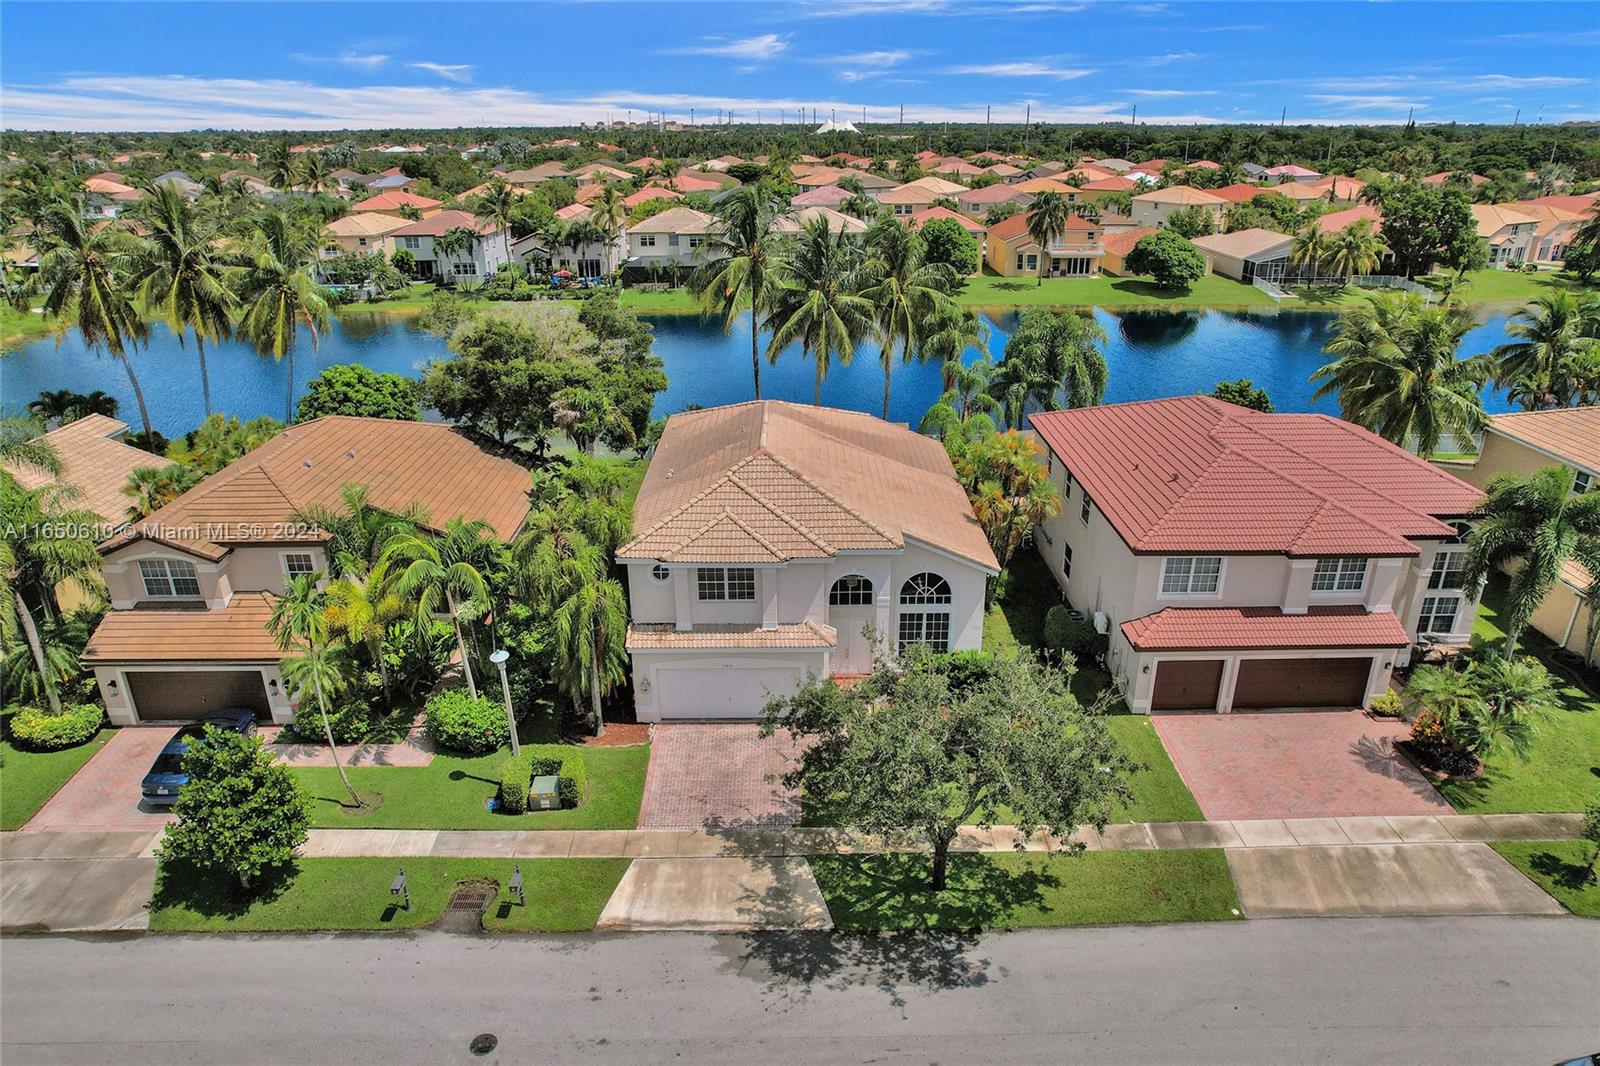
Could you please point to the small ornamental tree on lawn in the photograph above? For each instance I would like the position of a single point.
(1173, 262)
(904, 751)
(240, 812)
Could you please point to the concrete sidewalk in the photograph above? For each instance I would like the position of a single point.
(75, 882)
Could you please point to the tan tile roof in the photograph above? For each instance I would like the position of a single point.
(769, 481)
(1260, 628)
(445, 221)
(675, 220)
(1492, 218)
(936, 186)
(1570, 433)
(399, 463)
(1241, 244)
(1180, 194)
(838, 221)
(393, 201)
(364, 224)
(236, 633)
(96, 464)
(663, 636)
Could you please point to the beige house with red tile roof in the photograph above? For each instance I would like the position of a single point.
(390, 203)
(774, 542)
(488, 253)
(1557, 227)
(192, 585)
(1239, 560)
(976, 203)
(1075, 253)
(1507, 231)
(1152, 208)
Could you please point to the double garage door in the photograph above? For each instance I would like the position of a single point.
(181, 695)
(1194, 684)
(728, 691)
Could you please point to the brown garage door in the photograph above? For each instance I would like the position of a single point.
(1301, 683)
(1186, 685)
(169, 695)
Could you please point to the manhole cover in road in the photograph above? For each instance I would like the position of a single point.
(483, 1043)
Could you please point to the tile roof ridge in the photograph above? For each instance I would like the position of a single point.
(715, 521)
(788, 520)
(851, 511)
(680, 509)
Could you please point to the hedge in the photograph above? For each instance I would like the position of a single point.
(462, 723)
(542, 760)
(43, 730)
(1062, 632)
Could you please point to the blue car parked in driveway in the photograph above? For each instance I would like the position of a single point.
(160, 786)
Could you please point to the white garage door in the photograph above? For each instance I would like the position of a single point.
(714, 691)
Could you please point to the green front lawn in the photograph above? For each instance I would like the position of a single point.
(1159, 794)
(1111, 293)
(1480, 287)
(29, 778)
(562, 895)
(871, 893)
(1562, 868)
(1562, 772)
(19, 327)
(654, 302)
(450, 793)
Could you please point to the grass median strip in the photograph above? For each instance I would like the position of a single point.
(29, 778)
(1562, 868)
(561, 895)
(870, 893)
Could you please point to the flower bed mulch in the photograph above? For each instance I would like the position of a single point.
(1444, 762)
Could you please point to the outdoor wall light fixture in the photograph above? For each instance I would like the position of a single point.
(644, 684)
(1146, 669)
(111, 686)
(1388, 666)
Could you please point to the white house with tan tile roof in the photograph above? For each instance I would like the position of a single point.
(1506, 231)
(1152, 208)
(1239, 560)
(774, 541)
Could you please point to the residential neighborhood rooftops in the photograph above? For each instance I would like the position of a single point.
(1263, 628)
(1338, 220)
(1238, 193)
(1114, 183)
(837, 221)
(1492, 218)
(822, 196)
(437, 224)
(1244, 243)
(365, 224)
(393, 200)
(399, 463)
(779, 481)
(928, 214)
(1570, 434)
(652, 192)
(992, 194)
(1197, 474)
(1121, 242)
(236, 633)
(1292, 170)
(675, 220)
(94, 462)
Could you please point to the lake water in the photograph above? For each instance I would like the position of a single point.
(1151, 354)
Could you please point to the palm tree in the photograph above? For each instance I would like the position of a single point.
(1549, 331)
(314, 177)
(1052, 360)
(81, 269)
(178, 276)
(1047, 221)
(299, 620)
(591, 627)
(609, 213)
(1357, 249)
(1310, 247)
(1538, 521)
(909, 297)
(453, 242)
(278, 294)
(153, 487)
(1011, 492)
(497, 206)
(278, 162)
(1396, 372)
(63, 405)
(817, 301)
(950, 338)
(361, 605)
(742, 254)
(444, 567)
(357, 531)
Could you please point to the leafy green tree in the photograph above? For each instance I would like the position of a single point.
(591, 627)
(1047, 221)
(1539, 522)
(219, 440)
(355, 389)
(497, 206)
(1192, 221)
(1010, 490)
(278, 294)
(1244, 393)
(909, 297)
(452, 244)
(905, 751)
(502, 380)
(241, 811)
(299, 626)
(1054, 359)
(947, 243)
(1000, 212)
(362, 604)
(818, 301)
(1357, 249)
(1169, 259)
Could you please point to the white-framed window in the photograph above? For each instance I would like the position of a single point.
(411, 242)
(717, 584)
(925, 627)
(852, 590)
(1449, 571)
(298, 564)
(466, 268)
(696, 240)
(660, 573)
(1438, 614)
(647, 240)
(1066, 561)
(1020, 261)
(169, 579)
(1191, 575)
(1083, 511)
(361, 242)
(925, 588)
(672, 240)
(1343, 574)
(1582, 482)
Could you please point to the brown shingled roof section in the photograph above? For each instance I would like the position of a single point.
(236, 633)
(399, 464)
(806, 482)
(94, 463)
(1236, 628)
(664, 636)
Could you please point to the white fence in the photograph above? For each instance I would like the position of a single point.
(1277, 292)
(1392, 281)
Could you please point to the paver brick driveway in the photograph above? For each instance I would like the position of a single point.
(104, 793)
(715, 775)
(1296, 764)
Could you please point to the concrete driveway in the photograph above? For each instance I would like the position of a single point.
(717, 775)
(104, 794)
(75, 882)
(1295, 764)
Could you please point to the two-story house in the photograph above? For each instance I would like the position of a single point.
(774, 542)
(672, 238)
(1507, 233)
(1155, 207)
(1073, 253)
(489, 250)
(1239, 560)
(193, 585)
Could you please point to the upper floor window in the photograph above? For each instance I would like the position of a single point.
(1583, 482)
(1449, 571)
(1191, 575)
(672, 240)
(1083, 511)
(720, 583)
(411, 242)
(925, 588)
(298, 564)
(1347, 574)
(168, 578)
(647, 240)
(852, 590)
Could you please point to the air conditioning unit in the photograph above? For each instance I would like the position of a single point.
(1102, 624)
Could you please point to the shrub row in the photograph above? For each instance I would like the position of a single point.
(43, 730)
(1062, 632)
(461, 723)
(541, 760)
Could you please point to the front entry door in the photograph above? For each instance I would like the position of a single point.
(854, 654)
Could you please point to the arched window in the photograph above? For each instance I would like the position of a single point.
(929, 620)
(852, 590)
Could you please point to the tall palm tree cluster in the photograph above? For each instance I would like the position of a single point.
(827, 291)
(198, 271)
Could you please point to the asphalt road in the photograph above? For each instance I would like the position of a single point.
(1468, 990)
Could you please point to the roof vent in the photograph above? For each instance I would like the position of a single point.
(670, 472)
(306, 464)
(351, 454)
(1173, 477)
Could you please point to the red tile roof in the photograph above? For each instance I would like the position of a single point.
(1197, 474)
(435, 225)
(992, 194)
(1017, 225)
(1121, 242)
(1260, 628)
(1115, 183)
(927, 215)
(652, 192)
(393, 201)
(1334, 221)
(1239, 192)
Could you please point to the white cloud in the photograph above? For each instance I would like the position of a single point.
(766, 46)
(451, 71)
(1366, 100)
(1168, 58)
(358, 60)
(970, 8)
(1020, 70)
(1167, 93)
(882, 58)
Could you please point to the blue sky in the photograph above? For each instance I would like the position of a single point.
(144, 66)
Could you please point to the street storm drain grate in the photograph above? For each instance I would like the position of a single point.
(464, 912)
(483, 1043)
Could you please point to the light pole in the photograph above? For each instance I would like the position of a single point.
(499, 657)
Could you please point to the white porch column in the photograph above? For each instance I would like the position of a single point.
(683, 599)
